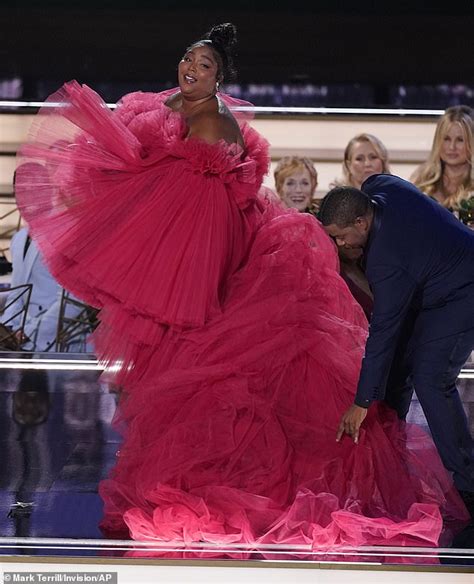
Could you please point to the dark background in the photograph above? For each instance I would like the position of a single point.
(129, 44)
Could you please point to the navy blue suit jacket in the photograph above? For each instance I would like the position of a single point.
(419, 262)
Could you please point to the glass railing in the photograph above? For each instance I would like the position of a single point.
(58, 443)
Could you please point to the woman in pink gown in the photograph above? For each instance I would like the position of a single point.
(224, 319)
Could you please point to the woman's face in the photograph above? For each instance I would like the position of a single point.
(364, 162)
(453, 146)
(296, 191)
(197, 73)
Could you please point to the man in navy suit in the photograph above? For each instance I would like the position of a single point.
(419, 261)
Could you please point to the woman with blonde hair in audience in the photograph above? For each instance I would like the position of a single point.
(364, 156)
(296, 180)
(447, 175)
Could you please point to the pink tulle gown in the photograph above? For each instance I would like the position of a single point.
(224, 319)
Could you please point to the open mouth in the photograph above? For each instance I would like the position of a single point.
(297, 199)
(190, 79)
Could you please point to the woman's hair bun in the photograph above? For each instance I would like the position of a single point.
(222, 38)
(224, 35)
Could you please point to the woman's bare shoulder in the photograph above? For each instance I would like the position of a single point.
(213, 126)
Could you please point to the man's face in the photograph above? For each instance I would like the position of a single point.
(352, 237)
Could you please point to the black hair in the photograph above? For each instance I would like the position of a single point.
(342, 205)
(222, 39)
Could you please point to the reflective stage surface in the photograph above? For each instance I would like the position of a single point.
(57, 444)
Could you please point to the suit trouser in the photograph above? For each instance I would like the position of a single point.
(430, 367)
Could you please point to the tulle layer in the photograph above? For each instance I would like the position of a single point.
(234, 441)
(236, 341)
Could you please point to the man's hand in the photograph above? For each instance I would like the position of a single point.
(351, 422)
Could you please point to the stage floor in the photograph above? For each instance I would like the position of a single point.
(57, 444)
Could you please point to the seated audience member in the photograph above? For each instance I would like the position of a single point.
(42, 318)
(447, 175)
(296, 180)
(364, 156)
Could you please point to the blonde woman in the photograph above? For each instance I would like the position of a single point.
(296, 180)
(447, 175)
(364, 156)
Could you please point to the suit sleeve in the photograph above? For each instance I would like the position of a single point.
(393, 290)
(15, 300)
(42, 328)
